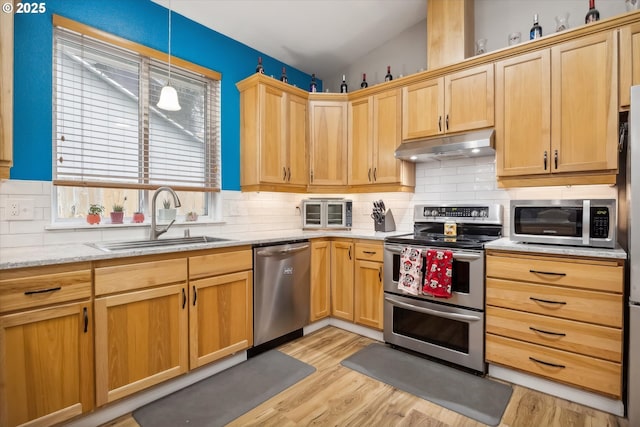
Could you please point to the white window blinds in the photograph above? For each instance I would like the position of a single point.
(108, 130)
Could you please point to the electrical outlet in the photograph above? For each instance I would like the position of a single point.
(19, 209)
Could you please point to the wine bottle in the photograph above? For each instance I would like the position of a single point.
(536, 30)
(343, 86)
(592, 15)
(313, 86)
(364, 83)
(283, 77)
(388, 77)
(259, 67)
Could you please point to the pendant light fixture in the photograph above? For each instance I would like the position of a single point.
(168, 96)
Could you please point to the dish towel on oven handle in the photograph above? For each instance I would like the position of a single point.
(410, 270)
(437, 280)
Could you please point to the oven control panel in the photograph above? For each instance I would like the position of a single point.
(455, 212)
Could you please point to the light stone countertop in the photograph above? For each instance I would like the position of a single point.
(505, 244)
(33, 256)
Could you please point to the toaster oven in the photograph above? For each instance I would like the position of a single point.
(331, 214)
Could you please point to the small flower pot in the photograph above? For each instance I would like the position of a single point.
(138, 217)
(191, 216)
(93, 219)
(166, 215)
(117, 217)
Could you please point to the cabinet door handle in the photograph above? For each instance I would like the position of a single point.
(446, 122)
(380, 274)
(284, 173)
(195, 295)
(369, 174)
(439, 123)
(86, 319)
(43, 291)
(289, 173)
(369, 252)
(375, 174)
(349, 252)
(557, 334)
(554, 365)
(555, 158)
(545, 159)
(311, 176)
(184, 298)
(547, 272)
(547, 301)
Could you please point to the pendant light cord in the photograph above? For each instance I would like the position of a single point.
(169, 79)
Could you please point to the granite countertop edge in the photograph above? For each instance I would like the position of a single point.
(505, 244)
(35, 256)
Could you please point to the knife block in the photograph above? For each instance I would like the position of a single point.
(387, 224)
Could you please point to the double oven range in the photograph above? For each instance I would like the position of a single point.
(450, 329)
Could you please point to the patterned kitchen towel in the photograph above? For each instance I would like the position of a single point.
(410, 270)
(438, 277)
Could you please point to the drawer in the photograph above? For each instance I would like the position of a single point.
(220, 263)
(586, 306)
(140, 275)
(369, 251)
(594, 276)
(597, 375)
(590, 340)
(43, 289)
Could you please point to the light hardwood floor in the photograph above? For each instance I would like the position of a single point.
(337, 396)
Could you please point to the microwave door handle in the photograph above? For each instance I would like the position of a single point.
(586, 221)
(452, 316)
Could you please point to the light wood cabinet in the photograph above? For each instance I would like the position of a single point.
(557, 113)
(46, 345)
(375, 124)
(220, 305)
(342, 262)
(273, 135)
(450, 36)
(320, 279)
(369, 296)
(456, 102)
(560, 318)
(629, 61)
(328, 141)
(6, 94)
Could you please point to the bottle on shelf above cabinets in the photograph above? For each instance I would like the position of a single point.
(364, 83)
(259, 67)
(283, 77)
(343, 85)
(536, 30)
(388, 77)
(313, 86)
(592, 15)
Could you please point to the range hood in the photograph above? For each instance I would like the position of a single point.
(471, 144)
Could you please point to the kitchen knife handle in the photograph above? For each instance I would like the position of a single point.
(558, 334)
(555, 158)
(375, 174)
(439, 123)
(547, 301)
(369, 174)
(195, 295)
(446, 121)
(551, 273)
(553, 365)
(545, 159)
(184, 298)
(86, 319)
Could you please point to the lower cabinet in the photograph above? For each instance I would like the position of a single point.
(368, 285)
(320, 279)
(342, 279)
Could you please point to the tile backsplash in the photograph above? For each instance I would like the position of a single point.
(450, 181)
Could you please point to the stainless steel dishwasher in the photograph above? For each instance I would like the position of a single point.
(281, 290)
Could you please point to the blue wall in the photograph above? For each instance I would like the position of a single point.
(141, 21)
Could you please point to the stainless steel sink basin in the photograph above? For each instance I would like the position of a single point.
(141, 244)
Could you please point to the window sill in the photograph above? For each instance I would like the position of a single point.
(108, 225)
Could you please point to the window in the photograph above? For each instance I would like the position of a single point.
(112, 145)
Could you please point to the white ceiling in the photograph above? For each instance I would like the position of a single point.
(315, 36)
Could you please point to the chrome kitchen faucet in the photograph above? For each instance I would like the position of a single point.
(155, 231)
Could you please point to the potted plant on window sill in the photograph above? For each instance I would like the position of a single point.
(166, 213)
(117, 214)
(191, 216)
(138, 217)
(93, 216)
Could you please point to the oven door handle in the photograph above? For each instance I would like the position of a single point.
(452, 316)
(462, 256)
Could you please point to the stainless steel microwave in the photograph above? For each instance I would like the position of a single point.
(583, 222)
(327, 214)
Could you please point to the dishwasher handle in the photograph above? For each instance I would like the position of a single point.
(281, 251)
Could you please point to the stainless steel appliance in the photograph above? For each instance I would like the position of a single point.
(584, 222)
(469, 144)
(281, 290)
(450, 329)
(629, 196)
(329, 214)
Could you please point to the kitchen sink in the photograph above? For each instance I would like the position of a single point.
(141, 244)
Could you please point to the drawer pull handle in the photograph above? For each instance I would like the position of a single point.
(547, 301)
(547, 272)
(42, 291)
(369, 252)
(86, 319)
(557, 334)
(554, 365)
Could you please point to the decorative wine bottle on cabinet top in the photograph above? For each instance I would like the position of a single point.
(364, 83)
(592, 15)
(259, 67)
(536, 30)
(283, 77)
(343, 85)
(313, 86)
(388, 77)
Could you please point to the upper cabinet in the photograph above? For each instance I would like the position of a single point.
(6, 94)
(328, 141)
(629, 61)
(557, 112)
(273, 134)
(456, 102)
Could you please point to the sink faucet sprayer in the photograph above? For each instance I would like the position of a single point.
(157, 231)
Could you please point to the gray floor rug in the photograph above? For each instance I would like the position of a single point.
(219, 399)
(479, 398)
